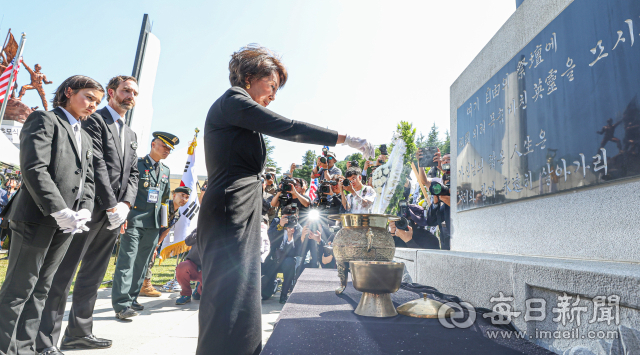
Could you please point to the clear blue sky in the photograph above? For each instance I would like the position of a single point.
(355, 66)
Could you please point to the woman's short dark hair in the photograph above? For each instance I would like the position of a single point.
(76, 83)
(254, 62)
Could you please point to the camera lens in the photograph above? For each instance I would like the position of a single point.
(346, 182)
(403, 224)
(323, 160)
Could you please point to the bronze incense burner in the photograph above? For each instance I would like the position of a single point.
(363, 237)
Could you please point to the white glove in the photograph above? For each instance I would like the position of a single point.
(83, 216)
(117, 218)
(66, 219)
(361, 144)
(72, 222)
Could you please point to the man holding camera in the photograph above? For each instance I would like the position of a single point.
(439, 212)
(291, 191)
(285, 236)
(268, 193)
(325, 168)
(361, 197)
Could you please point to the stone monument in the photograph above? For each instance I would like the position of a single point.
(546, 171)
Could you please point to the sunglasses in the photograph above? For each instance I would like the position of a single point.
(330, 158)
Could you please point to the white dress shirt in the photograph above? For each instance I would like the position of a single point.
(286, 240)
(119, 120)
(76, 127)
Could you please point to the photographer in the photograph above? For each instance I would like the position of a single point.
(425, 179)
(285, 237)
(374, 164)
(269, 181)
(412, 231)
(292, 190)
(328, 200)
(361, 197)
(439, 212)
(325, 168)
(268, 193)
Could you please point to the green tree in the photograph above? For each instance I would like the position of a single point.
(308, 160)
(270, 148)
(432, 138)
(408, 134)
(445, 147)
(421, 141)
(342, 165)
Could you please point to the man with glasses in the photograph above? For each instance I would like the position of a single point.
(328, 170)
(361, 197)
(143, 227)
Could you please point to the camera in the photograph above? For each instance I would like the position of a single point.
(323, 158)
(292, 220)
(325, 186)
(446, 176)
(346, 182)
(354, 163)
(442, 189)
(268, 176)
(403, 223)
(438, 189)
(383, 149)
(287, 184)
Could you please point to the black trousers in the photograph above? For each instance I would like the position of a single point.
(96, 245)
(35, 254)
(288, 269)
(445, 242)
(229, 243)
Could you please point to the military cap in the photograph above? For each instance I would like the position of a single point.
(168, 138)
(184, 189)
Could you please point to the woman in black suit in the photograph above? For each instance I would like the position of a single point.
(229, 222)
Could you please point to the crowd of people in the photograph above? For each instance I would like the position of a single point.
(82, 188)
(299, 233)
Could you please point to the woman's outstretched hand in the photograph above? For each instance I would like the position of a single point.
(360, 144)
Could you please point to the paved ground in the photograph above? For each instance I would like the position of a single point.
(162, 328)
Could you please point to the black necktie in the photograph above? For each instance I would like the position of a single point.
(120, 126)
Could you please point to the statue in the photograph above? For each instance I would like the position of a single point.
(37, 78)
(608, 131)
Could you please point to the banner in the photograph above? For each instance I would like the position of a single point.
(174, 243)
(143, 112)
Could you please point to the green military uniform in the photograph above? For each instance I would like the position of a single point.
(141, 236)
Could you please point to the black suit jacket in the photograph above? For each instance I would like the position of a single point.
(53, 170)
(116, 172)
(276, 236)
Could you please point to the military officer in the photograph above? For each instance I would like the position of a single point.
(143, 226)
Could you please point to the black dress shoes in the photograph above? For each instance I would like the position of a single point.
(137, 306)
(88, 342)
(51, 351)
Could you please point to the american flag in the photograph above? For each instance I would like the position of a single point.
(4, 78)
(312, 189)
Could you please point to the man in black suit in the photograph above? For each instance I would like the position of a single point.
(286, 244)
(116, 182)
(54, 202)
